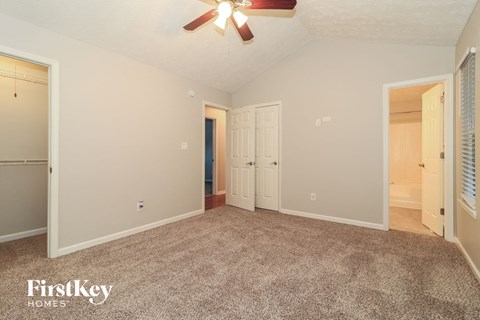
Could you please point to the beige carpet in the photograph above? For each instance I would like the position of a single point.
(232, 264)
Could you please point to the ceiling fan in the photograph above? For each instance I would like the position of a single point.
(229, 9)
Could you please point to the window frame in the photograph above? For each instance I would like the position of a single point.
(471, 52)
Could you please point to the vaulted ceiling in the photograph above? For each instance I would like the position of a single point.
(151, 30)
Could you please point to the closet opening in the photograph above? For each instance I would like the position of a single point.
(29, 117)
(23, 149)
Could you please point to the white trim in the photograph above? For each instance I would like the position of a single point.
(125, 233)
(280, 154)
(376, 226)
(221, 192)
(472, 265)
(449, 128)
(214, 106)
(215, 157)
(468, 52)
(467, 208)
(23, 234)
(266, 104)
(202, 161)
(53, 140)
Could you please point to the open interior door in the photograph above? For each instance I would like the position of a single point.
(241, 158)
(432, 147)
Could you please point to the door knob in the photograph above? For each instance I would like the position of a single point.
(274, 163)
(251, 163)
(421, 165)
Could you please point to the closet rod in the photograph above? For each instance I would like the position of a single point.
(26, 162)
(5, 75)
(404, 112)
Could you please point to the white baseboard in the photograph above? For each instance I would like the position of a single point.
(472, 266)
(221, 192)
(23, 234)
(122, 234)
(334, 219)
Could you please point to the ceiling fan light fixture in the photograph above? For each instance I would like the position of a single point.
(240, 18)
(233, 10)
(221, 22)
(225, 9)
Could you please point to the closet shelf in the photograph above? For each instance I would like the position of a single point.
(23, 162)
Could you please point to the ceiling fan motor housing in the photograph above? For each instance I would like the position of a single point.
(243, 3)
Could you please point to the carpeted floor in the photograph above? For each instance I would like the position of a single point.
(233, 264)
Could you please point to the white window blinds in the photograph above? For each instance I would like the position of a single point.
(467, 118)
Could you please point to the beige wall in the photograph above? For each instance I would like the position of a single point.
(468, 229)
(340, 161)
(221, 121)
(23, 135)
(406, 152)
(121, 126)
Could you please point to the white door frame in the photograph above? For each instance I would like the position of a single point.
(53, 139)
(213, 106)
(449, 118)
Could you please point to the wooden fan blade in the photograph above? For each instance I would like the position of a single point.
(200, 20)
(273, 4)
(244, 31)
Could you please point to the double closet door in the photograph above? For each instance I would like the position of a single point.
(253, 157)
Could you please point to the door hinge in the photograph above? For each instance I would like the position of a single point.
(442, 211)
(442, 155)
(442, 98)
(51, 170)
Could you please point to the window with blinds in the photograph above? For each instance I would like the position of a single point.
(467, 119)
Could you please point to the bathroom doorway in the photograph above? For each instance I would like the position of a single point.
(214, 173)
(416, 158)
(209, 155)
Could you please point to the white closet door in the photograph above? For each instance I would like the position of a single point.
(266, 158)
(241, 158)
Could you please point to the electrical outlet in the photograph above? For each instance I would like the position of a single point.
(140, 205)
(313, 196)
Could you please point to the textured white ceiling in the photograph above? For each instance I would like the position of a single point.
(151, 30)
